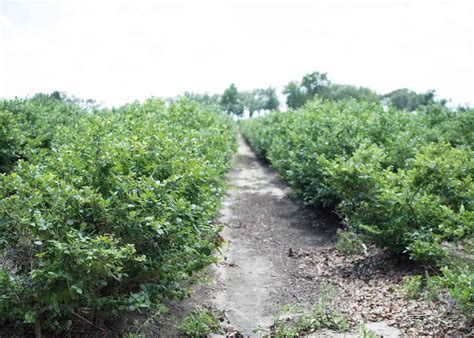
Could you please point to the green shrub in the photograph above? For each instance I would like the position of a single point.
(402, 180)
(456, 281)
(117, 216)
(391, 174)
(28, 125)
(199, 323)
(459, 281)
(415, 209)
(295, 321)
(349, 243)
(412, 286)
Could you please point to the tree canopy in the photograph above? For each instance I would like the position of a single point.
(342, 92)
(408, 99)
(260, 99)
(295, 96)
(314, 83)
(297, 93)
(231, 101)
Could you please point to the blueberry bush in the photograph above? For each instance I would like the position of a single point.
(402, 180)
(30, 125)
(114, 214)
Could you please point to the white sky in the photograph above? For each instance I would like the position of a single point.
(117, 51)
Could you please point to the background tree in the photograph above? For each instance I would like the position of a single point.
(260, 99)
(314, 83)
(295, 96)
(341, 92)
(231, 102)
(311, 84)
(204, 99)
(270, 99)
(251, 101)
(56, 95)
(408, 99)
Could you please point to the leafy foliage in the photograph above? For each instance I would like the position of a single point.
(401, 180)
(260, 100)
(298, 93)
(314, 83)
(318, 84)
(231, 101)
(115, 217)
(29, 125)
(343, 92)
(295, 96)
(405, 98)
(348, 243)
(205, 99)
(201, 322)
(294, 321)
(459, 281)
(412, 286)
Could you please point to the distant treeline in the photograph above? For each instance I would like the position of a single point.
(298, 93)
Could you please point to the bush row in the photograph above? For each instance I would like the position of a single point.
(404, 180)
(28, 125)
(116, 216)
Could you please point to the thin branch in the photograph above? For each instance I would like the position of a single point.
(88, 322)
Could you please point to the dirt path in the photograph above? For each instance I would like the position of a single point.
(262, 226)
(279, 253)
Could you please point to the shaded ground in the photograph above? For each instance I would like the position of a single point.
(279, 252)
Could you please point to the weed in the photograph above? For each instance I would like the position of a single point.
(348, 243)
(365, 332)
(412, 286)
(139, 328)
(432, 289)
(201, 322)
(325, 314)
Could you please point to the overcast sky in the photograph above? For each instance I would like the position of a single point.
(117, 51)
